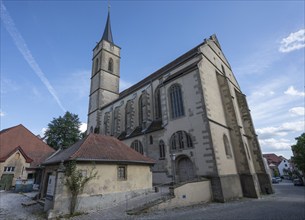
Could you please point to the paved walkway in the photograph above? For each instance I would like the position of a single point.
(11, 207)
(119, 211)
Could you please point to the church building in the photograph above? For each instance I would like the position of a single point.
(190, 116)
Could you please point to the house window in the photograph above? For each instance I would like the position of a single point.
(176, 101)
(9, 169)
(96, 65)
(181, 140)
(151, 140)
(137, 146)
(110, 65)
(227, 146)
(122, 172)
(162, 149)
(158, 111)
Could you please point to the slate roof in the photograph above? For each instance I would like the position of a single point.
(100, 148)
(107, 32)
(20, 138)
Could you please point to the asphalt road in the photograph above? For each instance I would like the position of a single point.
(288, 203)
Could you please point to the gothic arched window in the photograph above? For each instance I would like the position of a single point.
(162, 149)
(137, 146)
(128, 112)
(110, 65)
(227, 146)
(107, 123)
(176, 101)
(158, 111)
(181, 140)
(116, 121)
(143, 109)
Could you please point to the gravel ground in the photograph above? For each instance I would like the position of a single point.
(12, 209)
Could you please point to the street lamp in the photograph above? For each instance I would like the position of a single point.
(173, 157)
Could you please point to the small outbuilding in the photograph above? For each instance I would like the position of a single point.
(121, 173)
(21, 153)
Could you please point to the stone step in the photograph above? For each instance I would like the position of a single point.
(142, 208)
(29, 203)
(41, 202)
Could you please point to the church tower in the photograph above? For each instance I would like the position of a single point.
(105, 77)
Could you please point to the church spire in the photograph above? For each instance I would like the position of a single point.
(107, 32)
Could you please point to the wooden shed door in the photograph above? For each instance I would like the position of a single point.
(6, 181)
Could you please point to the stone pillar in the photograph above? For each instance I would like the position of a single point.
(60, 202)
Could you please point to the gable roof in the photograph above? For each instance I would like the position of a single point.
(100, 148)
(272, 158)
(18, 137)
(27, 159)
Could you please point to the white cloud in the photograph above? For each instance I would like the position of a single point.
(43, 131)
(294, 41)
(2, 114)
(26, 53)
(292, 91)
(297, 111)
(282, 130)
(272, 144)
(83, 127)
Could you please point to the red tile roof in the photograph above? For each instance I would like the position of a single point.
(20, 138)
(100, 148)
(272, 158)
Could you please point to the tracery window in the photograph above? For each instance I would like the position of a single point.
(181, 140)
(137, 146)
(227, 146)
(128, 113)
(110, 65)
(143, 101)
(107, 123)
(116, 121)
(176, 101)
(158, 111)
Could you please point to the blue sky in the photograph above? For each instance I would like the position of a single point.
(46, 52)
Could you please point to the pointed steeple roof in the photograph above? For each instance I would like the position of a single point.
(107, 32)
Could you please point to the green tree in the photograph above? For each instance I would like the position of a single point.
(299, 153)
(64, 131)
(76, 181)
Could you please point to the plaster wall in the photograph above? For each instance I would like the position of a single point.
(105, 190)
(187, 195)
(18, 161)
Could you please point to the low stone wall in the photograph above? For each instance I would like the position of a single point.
(188, 194)
(94, 202)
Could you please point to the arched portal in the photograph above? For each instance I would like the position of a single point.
(185, 169)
